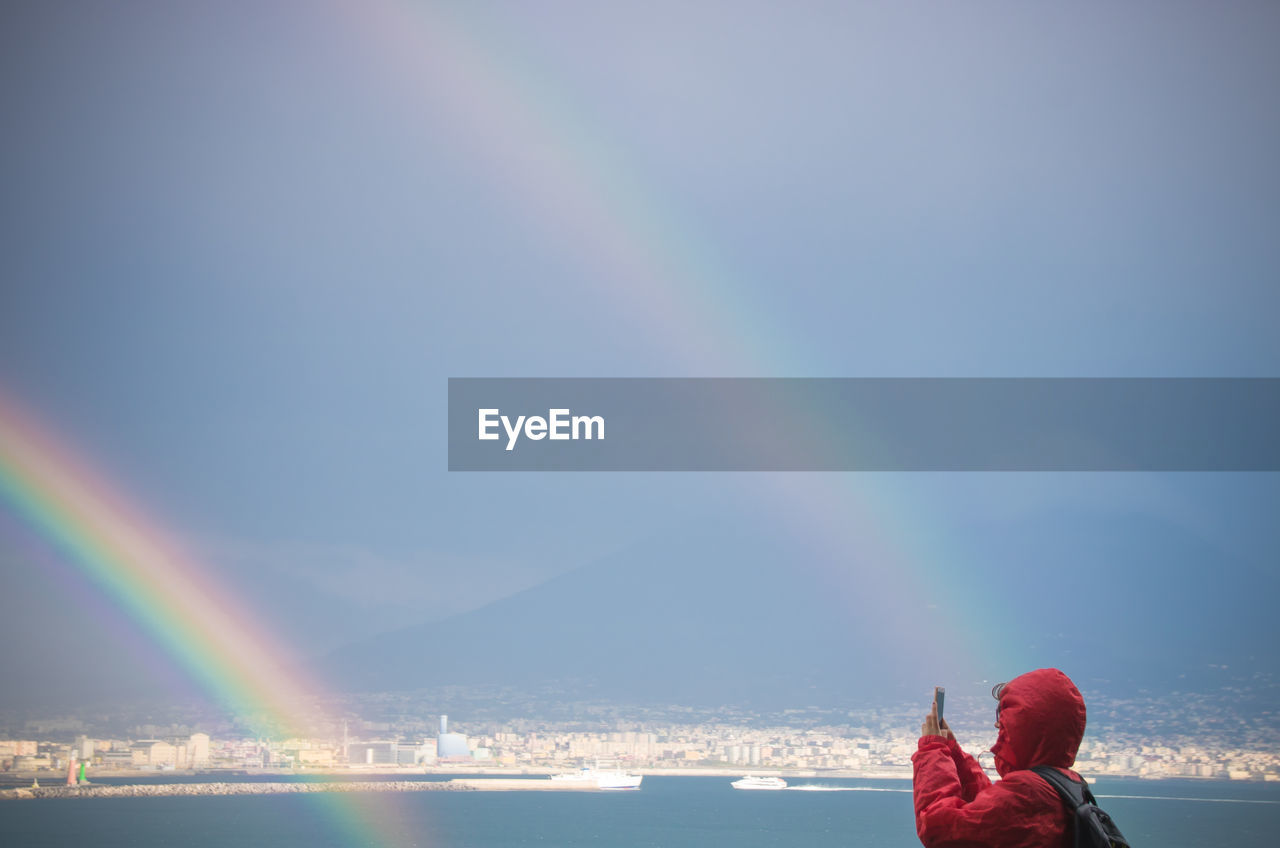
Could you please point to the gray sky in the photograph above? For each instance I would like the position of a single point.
(244, 248)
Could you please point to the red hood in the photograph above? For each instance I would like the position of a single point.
(1041, 722)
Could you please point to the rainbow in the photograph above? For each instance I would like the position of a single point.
(564, 178)
(174, 600)
(151, 578)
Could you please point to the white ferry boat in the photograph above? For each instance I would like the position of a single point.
(601, 778)
(750, 782)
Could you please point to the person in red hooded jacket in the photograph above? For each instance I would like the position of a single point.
(1040, 716)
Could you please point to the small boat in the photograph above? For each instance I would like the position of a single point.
(750, 782)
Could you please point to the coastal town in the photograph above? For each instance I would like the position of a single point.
(870, 743)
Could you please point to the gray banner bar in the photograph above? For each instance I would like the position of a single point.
(620, 424)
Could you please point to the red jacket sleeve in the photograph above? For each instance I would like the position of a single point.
(956, 805)
(942, 769)
(972, 778)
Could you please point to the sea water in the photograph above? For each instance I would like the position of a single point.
(668, 811)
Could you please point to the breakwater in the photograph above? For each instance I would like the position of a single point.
(159, 790)
(155, 790)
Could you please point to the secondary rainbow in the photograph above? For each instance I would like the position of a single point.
(564, 177)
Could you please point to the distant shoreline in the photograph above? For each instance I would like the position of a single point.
(903, 773)
(16, 779)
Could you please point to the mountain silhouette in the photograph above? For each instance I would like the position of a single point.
(701, 616)
(730, 614)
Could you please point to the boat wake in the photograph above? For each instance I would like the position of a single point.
(813, 787)
(1176, 798)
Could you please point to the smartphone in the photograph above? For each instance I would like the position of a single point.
(939, 695)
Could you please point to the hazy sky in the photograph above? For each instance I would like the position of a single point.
(245, 245)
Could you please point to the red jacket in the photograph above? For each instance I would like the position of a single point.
(1041, 722)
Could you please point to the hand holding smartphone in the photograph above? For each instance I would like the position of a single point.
(933, 722)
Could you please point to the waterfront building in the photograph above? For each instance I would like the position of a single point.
(451, 746)
(198, 750)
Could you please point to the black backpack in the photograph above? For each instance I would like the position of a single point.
(1093, 827)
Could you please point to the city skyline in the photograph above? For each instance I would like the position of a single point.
(1138, 739)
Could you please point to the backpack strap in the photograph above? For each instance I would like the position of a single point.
(1072, 793)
